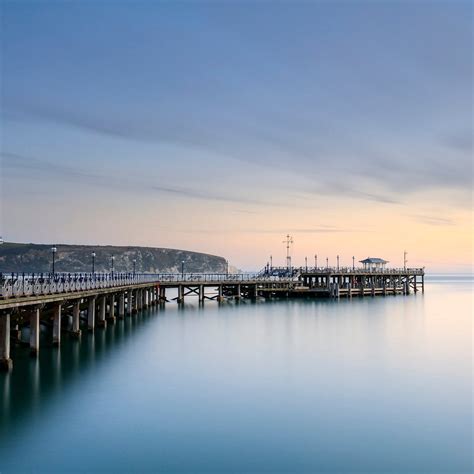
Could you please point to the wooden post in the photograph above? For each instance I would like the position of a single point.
(135, 301)
(180, 294)
(34, 331)
(121, 308)
(57, 325)
(76, 313)
(139, 299)
(111, 317)
(91, 313)
(102, 304)
(6, 364)
(129, 302)
(145, 298)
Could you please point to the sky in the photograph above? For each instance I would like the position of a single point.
(223, 126)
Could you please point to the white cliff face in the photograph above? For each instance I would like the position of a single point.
(78, 258)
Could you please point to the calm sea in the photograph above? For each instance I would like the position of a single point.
(370, 385)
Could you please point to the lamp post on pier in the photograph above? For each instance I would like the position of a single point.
(306, 263)
(93, 262)
(271, 262)
(315, 261)
(53, 251)
(327, 263)
(338, 263)
(134, 266)
(112, 259)
(353, 263)
(182, 269)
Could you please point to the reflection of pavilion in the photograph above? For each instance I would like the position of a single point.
(374, 264)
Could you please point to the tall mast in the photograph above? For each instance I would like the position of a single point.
(288, 242)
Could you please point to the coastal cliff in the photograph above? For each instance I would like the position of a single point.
(19, 257)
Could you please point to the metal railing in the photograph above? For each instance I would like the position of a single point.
(35, 284)
(14, 285)
(347, 270)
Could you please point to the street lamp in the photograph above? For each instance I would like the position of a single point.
(93, 262)
(112, 258)
(182, 269)
(338, 263)
(271, 262)
(306, 263)
(327, 263)
(53, 251)
(134, 266)
(227, 267)
(315, 261)
(353, 263)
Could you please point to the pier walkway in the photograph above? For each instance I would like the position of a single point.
(68, 303)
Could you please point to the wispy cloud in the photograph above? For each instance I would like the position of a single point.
(209, 195)
(325, 159)
(41, 168)
(281, 231)
(23, 163)
(434, 220)
(460, 141)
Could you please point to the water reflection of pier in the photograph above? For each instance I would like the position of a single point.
(37, 382)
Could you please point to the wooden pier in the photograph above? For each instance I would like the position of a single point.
(68, 304)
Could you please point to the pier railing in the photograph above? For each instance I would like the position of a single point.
(345, 270)
(13, 285)
(29, 284)
(35, 284)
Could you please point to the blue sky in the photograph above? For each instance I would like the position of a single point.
(221, 126)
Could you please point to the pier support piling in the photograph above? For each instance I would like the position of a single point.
(6, 363)
(34, 331)
(134, 301)
(111, 317)
(91, 314)
(76, 318)
(101, 322)
(180, 299)
(121, 308)
(162, 292)
(57, 325)
(139, 299)
(128, 303)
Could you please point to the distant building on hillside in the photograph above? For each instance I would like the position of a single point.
(374, 264)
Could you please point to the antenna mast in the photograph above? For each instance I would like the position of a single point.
(288, 242)
(405, 253)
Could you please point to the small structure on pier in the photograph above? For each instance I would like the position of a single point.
(374, 263)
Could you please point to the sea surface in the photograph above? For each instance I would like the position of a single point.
(372, 385)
